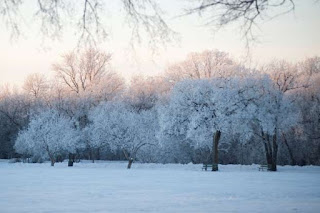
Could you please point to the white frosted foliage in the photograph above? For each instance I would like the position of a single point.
(48, 134)
(119, 127)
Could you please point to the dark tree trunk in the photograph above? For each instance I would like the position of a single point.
(51, 155)
(52, 162)
(91, 155)
(274, 154)
(215, 151)
(98, 154)
(293, 162)
(70, 162)
(130, 159)
(271, 149)
(130, 163)
(268, 154)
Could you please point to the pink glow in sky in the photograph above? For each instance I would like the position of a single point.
(293, 37)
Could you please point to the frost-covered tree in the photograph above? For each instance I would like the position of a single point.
(14, 116)
(200, 110)
(302, 141)
(48, 134)
(119, 127)
(145, 92)
(36, 86)
(84, 80)
(89, 72)
(206, 64)
(274, 114)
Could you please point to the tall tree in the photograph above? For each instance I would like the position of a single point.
(199, 111)
(275, 113)
(81, 73)
(206, 64)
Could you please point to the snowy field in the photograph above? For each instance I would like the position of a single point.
(110, 187)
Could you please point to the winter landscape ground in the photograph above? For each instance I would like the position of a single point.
(110, 187)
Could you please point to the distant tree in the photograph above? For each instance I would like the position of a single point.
(119, 127)
(80, 73)
(288, 80)
(14, 107)
(205, 65)
(286, 76)
(36, 85)
(14, 116)
(275, 113)
(143, 93)
(304, 139)
(86, 80)
(48, 135)
(89, 73)
(310, 97)
(310, 66)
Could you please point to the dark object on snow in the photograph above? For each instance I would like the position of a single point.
(71, 159)
(263, 167)
(213, 166)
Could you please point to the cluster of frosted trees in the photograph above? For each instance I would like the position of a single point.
(206, 109)
(201, 111)
(48, 135)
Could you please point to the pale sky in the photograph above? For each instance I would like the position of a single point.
(293, 37)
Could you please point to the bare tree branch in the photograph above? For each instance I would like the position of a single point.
(221, 13)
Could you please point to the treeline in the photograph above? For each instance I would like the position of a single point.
(207, 108)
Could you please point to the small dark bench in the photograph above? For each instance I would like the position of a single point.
(263, 167)
(206, 166)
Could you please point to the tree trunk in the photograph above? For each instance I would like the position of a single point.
(271, 150)
(130, 159)
(215, 151)
(130, 163)
(91, 155)
(293, 162)
(52, 162)
(98, 154)
(70, 162)
(268, 154)
(51, 155)
(275, 153)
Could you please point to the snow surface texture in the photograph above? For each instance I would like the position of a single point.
(110, 187)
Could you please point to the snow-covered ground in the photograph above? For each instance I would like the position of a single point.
(110, 187)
